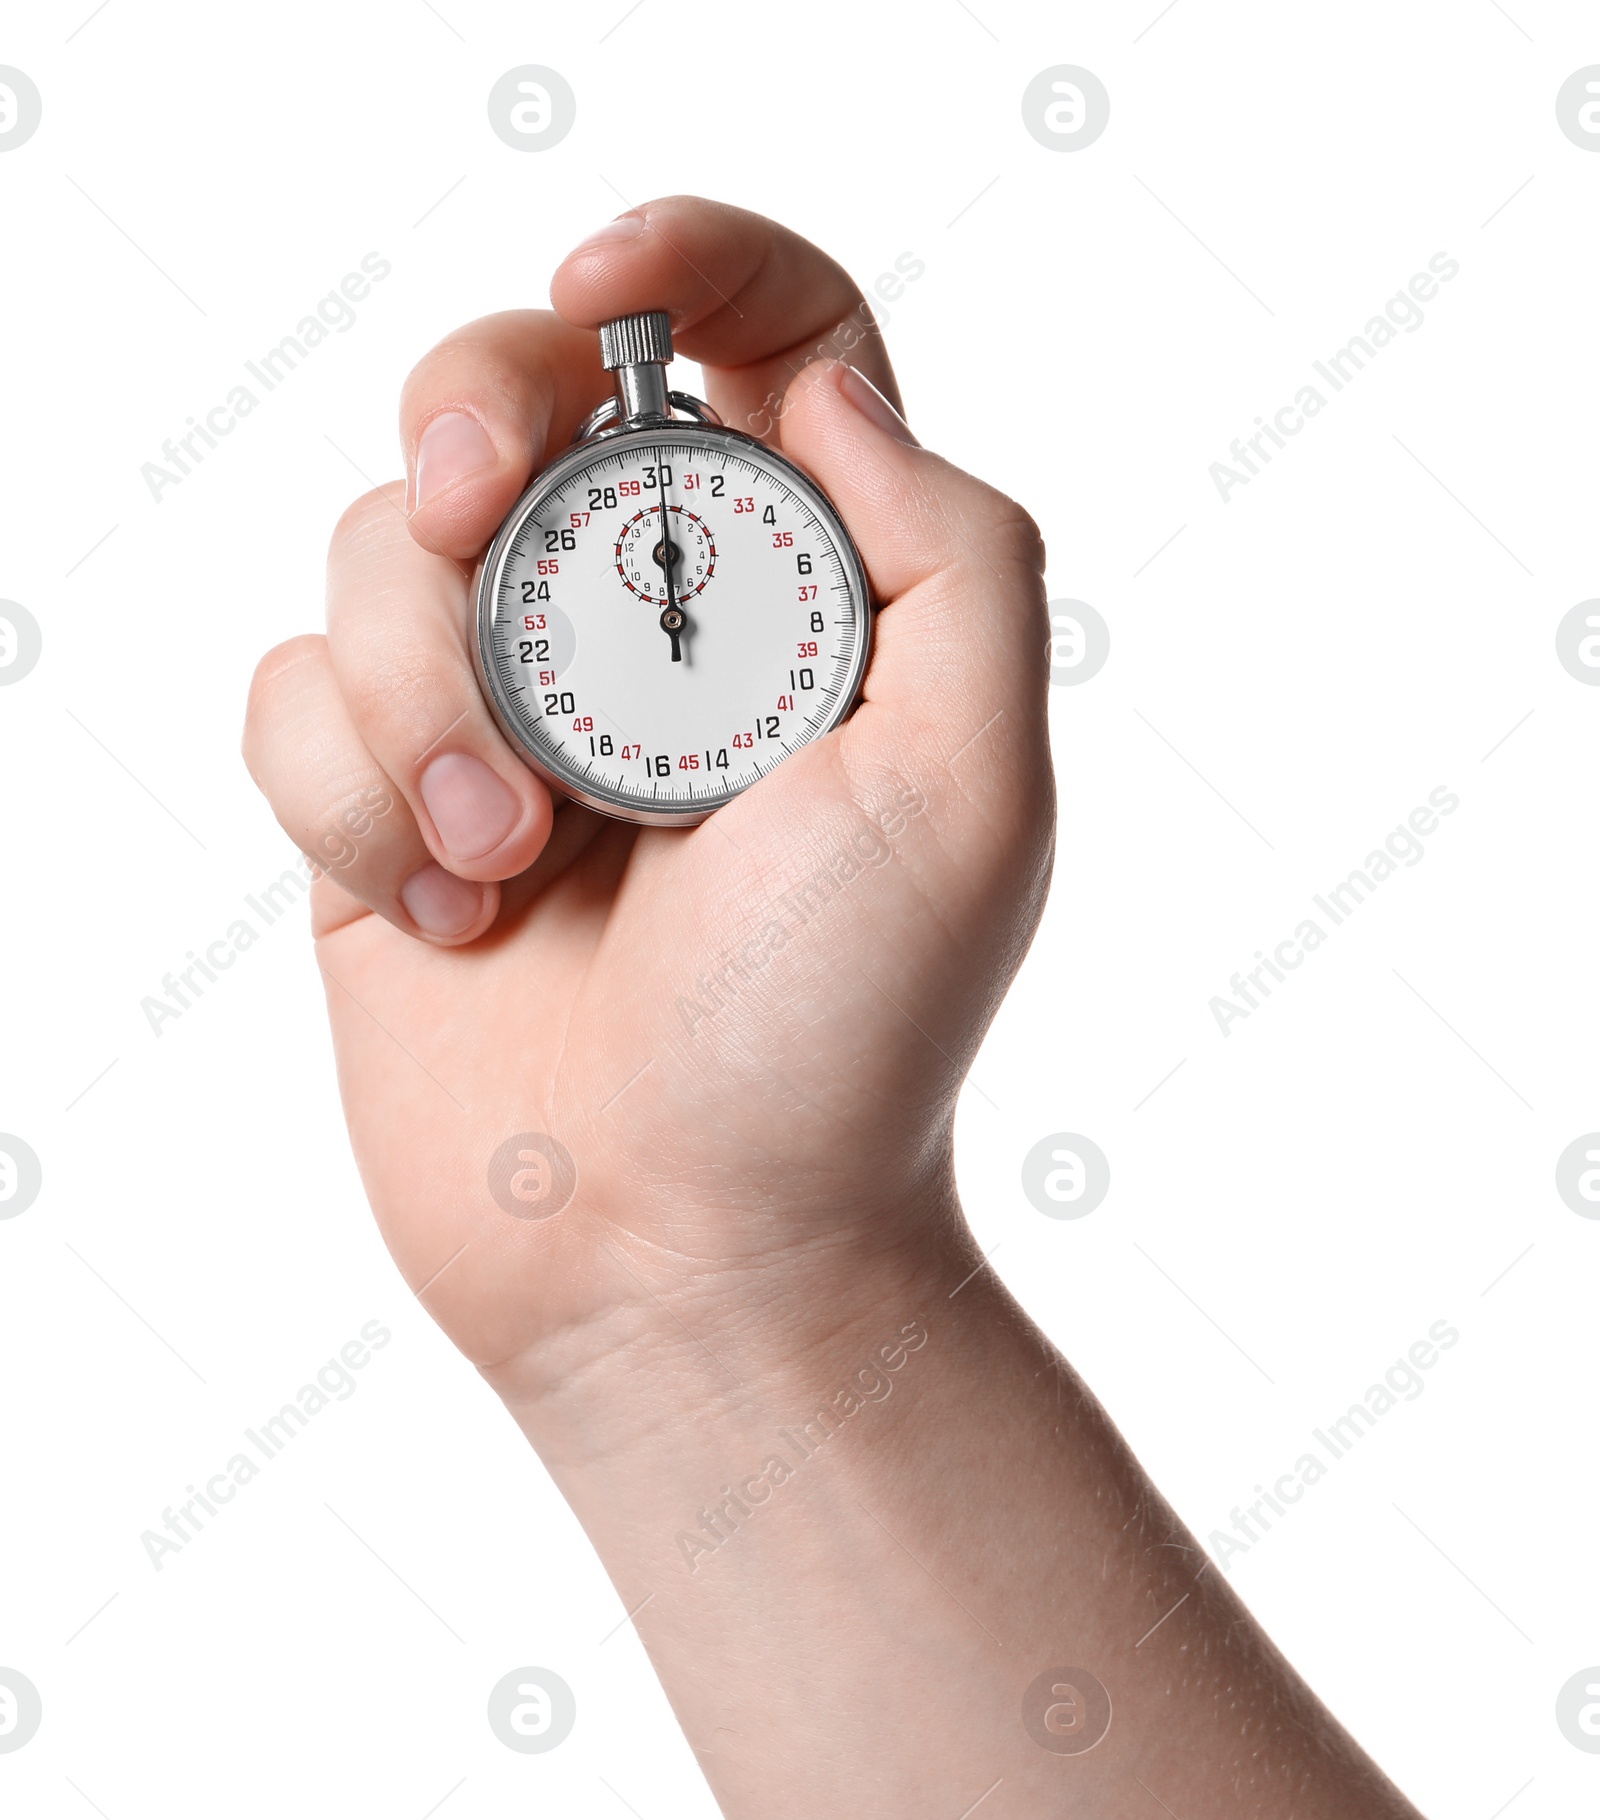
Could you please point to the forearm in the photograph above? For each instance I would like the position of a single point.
(869, 1513)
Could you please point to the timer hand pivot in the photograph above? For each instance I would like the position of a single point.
(672, 623)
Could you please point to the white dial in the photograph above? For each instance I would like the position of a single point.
(656, 673)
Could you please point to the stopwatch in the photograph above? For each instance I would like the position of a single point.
(672, 608)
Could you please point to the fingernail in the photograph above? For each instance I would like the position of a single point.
(472, 808)
(872, 405)
(625, 227)
(452, 446)
(439, 903)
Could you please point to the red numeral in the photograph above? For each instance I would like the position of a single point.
(546, 677)
(781, 540)
(549, 566)
(808, 590)
(689, 762)
(743, 741)
(807, 648)
(630, 751)
(533, 622)
(583, 724)
(744, 505)
(690, 482)
(785, 701)
(579, 520)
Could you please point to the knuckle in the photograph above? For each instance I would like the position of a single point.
(279, 674)
(1014, 535)
(484, 369)
(284, 659)
(370, 518)
(438, 368)
(974, 522)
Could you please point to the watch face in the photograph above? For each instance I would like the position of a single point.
(665, 616)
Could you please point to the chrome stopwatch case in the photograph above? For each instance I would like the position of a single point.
(672, 608)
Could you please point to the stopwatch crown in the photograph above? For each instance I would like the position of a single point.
(631, 341)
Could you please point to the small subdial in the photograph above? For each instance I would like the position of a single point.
(644, 553)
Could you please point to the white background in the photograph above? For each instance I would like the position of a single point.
(1293, 1208)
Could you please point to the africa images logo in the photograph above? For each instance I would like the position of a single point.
(1402, 847)
(1403, 312)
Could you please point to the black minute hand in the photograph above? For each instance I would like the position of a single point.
(672, 618)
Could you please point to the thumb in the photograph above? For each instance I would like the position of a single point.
(961, 657)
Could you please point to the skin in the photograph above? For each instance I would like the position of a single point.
(761, 1129)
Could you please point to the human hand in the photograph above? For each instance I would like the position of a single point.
(749, 1036)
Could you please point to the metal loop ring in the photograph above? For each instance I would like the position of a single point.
(602, 414)
(696, 408)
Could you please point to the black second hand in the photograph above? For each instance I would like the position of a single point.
(672, 613)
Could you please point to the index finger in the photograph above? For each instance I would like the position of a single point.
(480, 412)
(749, 299)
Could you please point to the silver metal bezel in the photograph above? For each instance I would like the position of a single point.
(486, 586)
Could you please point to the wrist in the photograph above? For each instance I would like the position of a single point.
(691, 1347)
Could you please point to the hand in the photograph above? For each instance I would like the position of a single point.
(750, 1039)
(749, 1036)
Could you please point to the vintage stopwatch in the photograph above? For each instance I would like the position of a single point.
(671, 608)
